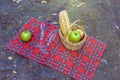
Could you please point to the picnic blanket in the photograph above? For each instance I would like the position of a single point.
(46, 48)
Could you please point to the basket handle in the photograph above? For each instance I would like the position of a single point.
(74, 23)
(64, 21)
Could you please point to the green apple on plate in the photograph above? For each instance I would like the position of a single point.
(75, 36)
(26, 36)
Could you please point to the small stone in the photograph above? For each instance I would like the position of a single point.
(54, 14)
(10, 57)
(15, 65)
(17, 1)
(27, 16)
(43, 2)
(113, 30)
(104, 72)
(117, 27)
(104, 61)
(14, 72)
(20, 22)
(20, 7)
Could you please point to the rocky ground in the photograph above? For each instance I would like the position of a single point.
(101, 19)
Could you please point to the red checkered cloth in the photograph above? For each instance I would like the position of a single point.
(46, 48)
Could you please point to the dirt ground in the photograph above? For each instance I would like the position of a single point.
(101, 19)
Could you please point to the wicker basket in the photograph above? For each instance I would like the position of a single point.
(65, 36)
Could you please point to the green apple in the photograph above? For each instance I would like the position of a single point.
(26, 36)
(75, 36)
